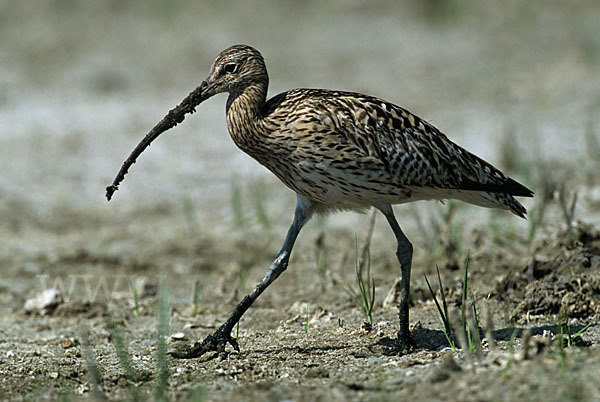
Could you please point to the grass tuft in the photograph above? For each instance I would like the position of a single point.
(466, 326)
(136, 298)
(196, 297)
(469, 317)
(364, 298)
(118, 340)
(443, 312)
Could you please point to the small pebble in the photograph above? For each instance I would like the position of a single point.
(44, 302)
(178, 336)
(67, 343)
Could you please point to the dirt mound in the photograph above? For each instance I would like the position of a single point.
(563, 277)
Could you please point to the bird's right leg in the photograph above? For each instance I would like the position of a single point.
(404, 253)
(222, 336)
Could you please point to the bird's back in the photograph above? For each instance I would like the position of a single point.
(348, 150)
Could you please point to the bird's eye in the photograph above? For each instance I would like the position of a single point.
(230, 68)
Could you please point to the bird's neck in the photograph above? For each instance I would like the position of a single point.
(244, 111)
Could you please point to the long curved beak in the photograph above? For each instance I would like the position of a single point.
(174, 117)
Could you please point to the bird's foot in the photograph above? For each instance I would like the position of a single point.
(212, 343)
(405, 343)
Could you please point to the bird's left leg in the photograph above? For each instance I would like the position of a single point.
(222, 336)
(404, 253)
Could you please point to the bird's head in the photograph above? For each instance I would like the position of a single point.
(235, 69)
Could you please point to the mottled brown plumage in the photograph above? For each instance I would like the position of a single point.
(348, 150)
(337, 150)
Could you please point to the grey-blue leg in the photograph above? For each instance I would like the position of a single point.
(222, 336)
(404, 253)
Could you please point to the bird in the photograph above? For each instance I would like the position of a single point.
(337, 150)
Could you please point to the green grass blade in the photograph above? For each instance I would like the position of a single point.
(196, 297)
(366, 298)
(465, 289)
(582, 330)
(437, 304)
(444, 303)
(118, 341)
(463, 307)
(136, 299)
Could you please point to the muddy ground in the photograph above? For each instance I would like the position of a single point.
(197, 219)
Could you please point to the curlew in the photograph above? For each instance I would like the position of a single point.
(338, 151)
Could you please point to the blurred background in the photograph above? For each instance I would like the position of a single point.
(82, 82)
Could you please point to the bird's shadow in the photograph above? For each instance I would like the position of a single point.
(433, 339)
(424, 339)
